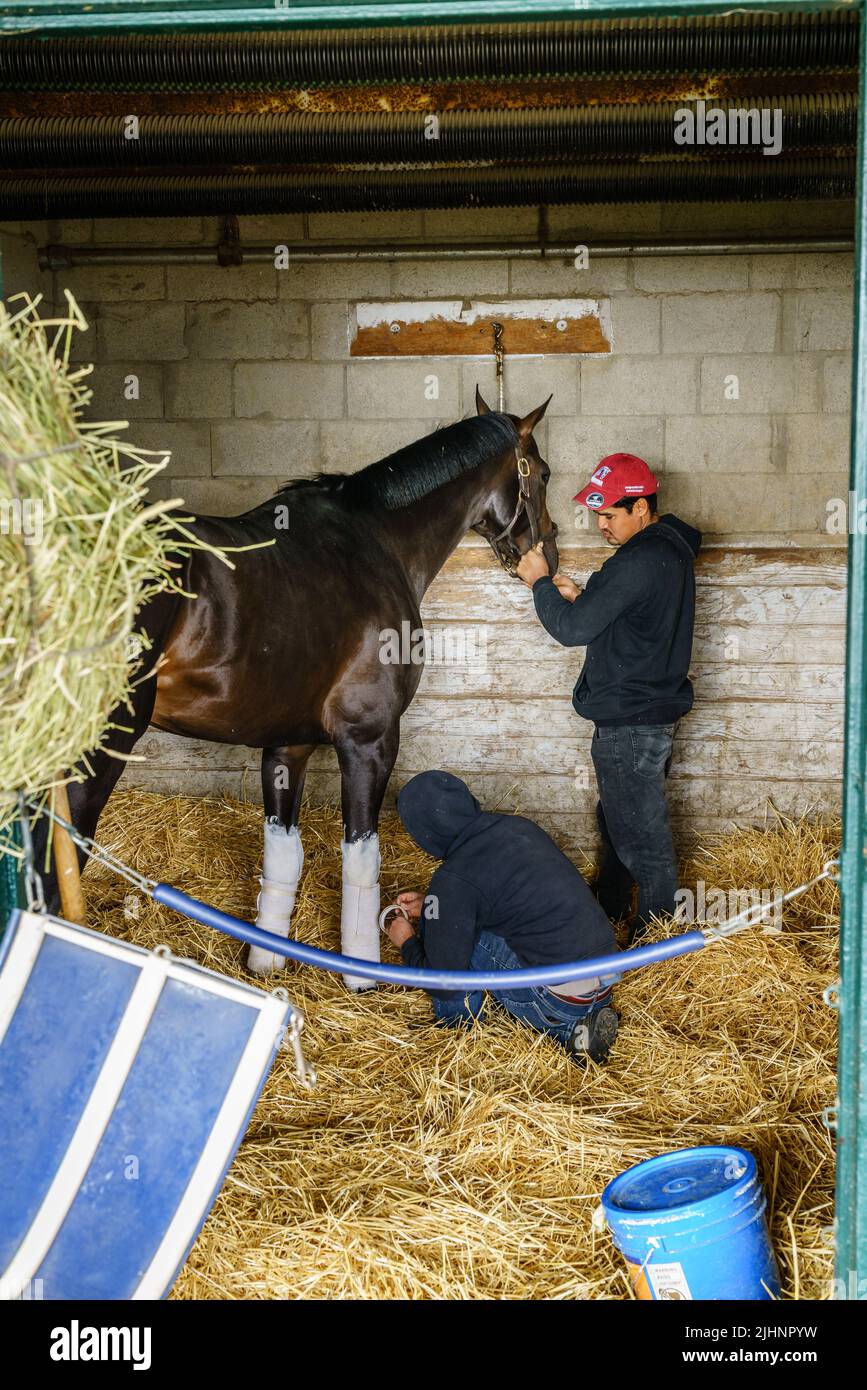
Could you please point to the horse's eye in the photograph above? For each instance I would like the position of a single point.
(546, 474)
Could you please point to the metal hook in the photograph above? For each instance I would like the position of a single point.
(498, 358)
(831, 995)
(32, 881)
(292, 1031)
(306, 1073)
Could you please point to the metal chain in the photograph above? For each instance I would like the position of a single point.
(99, 852)
(751, 915)
(498, 358)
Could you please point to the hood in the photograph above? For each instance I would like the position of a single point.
(437, 808)
(686, 533)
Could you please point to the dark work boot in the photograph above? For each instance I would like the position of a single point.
(594, 1035)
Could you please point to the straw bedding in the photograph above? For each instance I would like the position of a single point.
(468, 1164)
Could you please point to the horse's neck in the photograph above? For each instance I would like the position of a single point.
(423, 535)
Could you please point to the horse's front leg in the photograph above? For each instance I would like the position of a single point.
(365, 767)
(283, 772)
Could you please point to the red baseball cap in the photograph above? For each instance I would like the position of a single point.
(617, 476)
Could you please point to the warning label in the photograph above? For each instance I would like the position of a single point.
(668, 1281)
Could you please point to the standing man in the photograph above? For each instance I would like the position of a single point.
(635, 617)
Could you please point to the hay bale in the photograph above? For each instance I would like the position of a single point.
(79, 553)
(467, 1164)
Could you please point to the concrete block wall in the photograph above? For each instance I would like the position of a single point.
(729, 373)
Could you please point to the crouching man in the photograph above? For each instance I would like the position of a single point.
(505, 897)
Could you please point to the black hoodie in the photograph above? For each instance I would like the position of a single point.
(635, 617)
(501, 874)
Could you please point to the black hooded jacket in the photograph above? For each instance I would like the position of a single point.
(500, 874)
(635, 617)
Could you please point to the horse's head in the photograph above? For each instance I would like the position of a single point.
(516, 514)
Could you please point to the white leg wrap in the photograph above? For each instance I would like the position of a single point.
(359, 917)
(281, 870)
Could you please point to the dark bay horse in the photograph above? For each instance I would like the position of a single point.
(285, 651)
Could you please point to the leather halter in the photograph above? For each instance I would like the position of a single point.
(509, 555)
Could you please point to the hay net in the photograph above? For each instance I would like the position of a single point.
(80, 551)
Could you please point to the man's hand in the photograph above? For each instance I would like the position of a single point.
(412, 904)
(566, 587)
(532, 566)
(399, 930)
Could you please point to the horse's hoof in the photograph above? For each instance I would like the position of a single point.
(264, 962)
(359, 986)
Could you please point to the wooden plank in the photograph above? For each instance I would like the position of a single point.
(763, 762)
(447, 328)
(491, 596)
(816, 643)
(715, 564)
(740, 680)
(535, 795)
(194, 781)
(517, 720)
(768, 606)
(725, 565)
(735, 644)
(499, 666)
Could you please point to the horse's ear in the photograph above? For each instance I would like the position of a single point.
(529, 422)
(482, 407)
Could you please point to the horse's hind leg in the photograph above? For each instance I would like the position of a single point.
(365, 768)
(88, 797)
(283, 772)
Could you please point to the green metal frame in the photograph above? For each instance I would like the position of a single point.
(105, 16)
(11, 878)
(101, 16)
(851, 1198)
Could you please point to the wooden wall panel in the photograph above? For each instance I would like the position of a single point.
(767, 728)
(446, 328)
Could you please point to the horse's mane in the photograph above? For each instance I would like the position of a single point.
(412, 472)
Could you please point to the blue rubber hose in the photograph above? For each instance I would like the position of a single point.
(612, 966)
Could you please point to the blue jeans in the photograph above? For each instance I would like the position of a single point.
(632, 762)
(539, 1008)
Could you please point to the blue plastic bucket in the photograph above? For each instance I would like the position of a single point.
(691, 1225)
